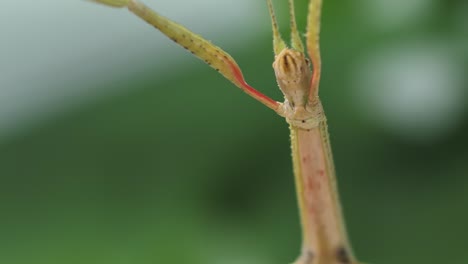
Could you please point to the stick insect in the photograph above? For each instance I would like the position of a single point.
(324, 238)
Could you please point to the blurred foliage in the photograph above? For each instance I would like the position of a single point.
(188, 169)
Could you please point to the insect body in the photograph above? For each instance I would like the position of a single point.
(324, 235)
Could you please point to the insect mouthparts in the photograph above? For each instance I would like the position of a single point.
(293, 76)
(289, 63)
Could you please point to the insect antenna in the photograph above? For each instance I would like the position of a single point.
(296, 41)
(278, 42)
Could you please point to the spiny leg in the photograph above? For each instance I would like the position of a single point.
(114, 3)
(313, 47)
(200, 47)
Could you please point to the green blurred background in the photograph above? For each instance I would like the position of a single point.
(117, 146)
